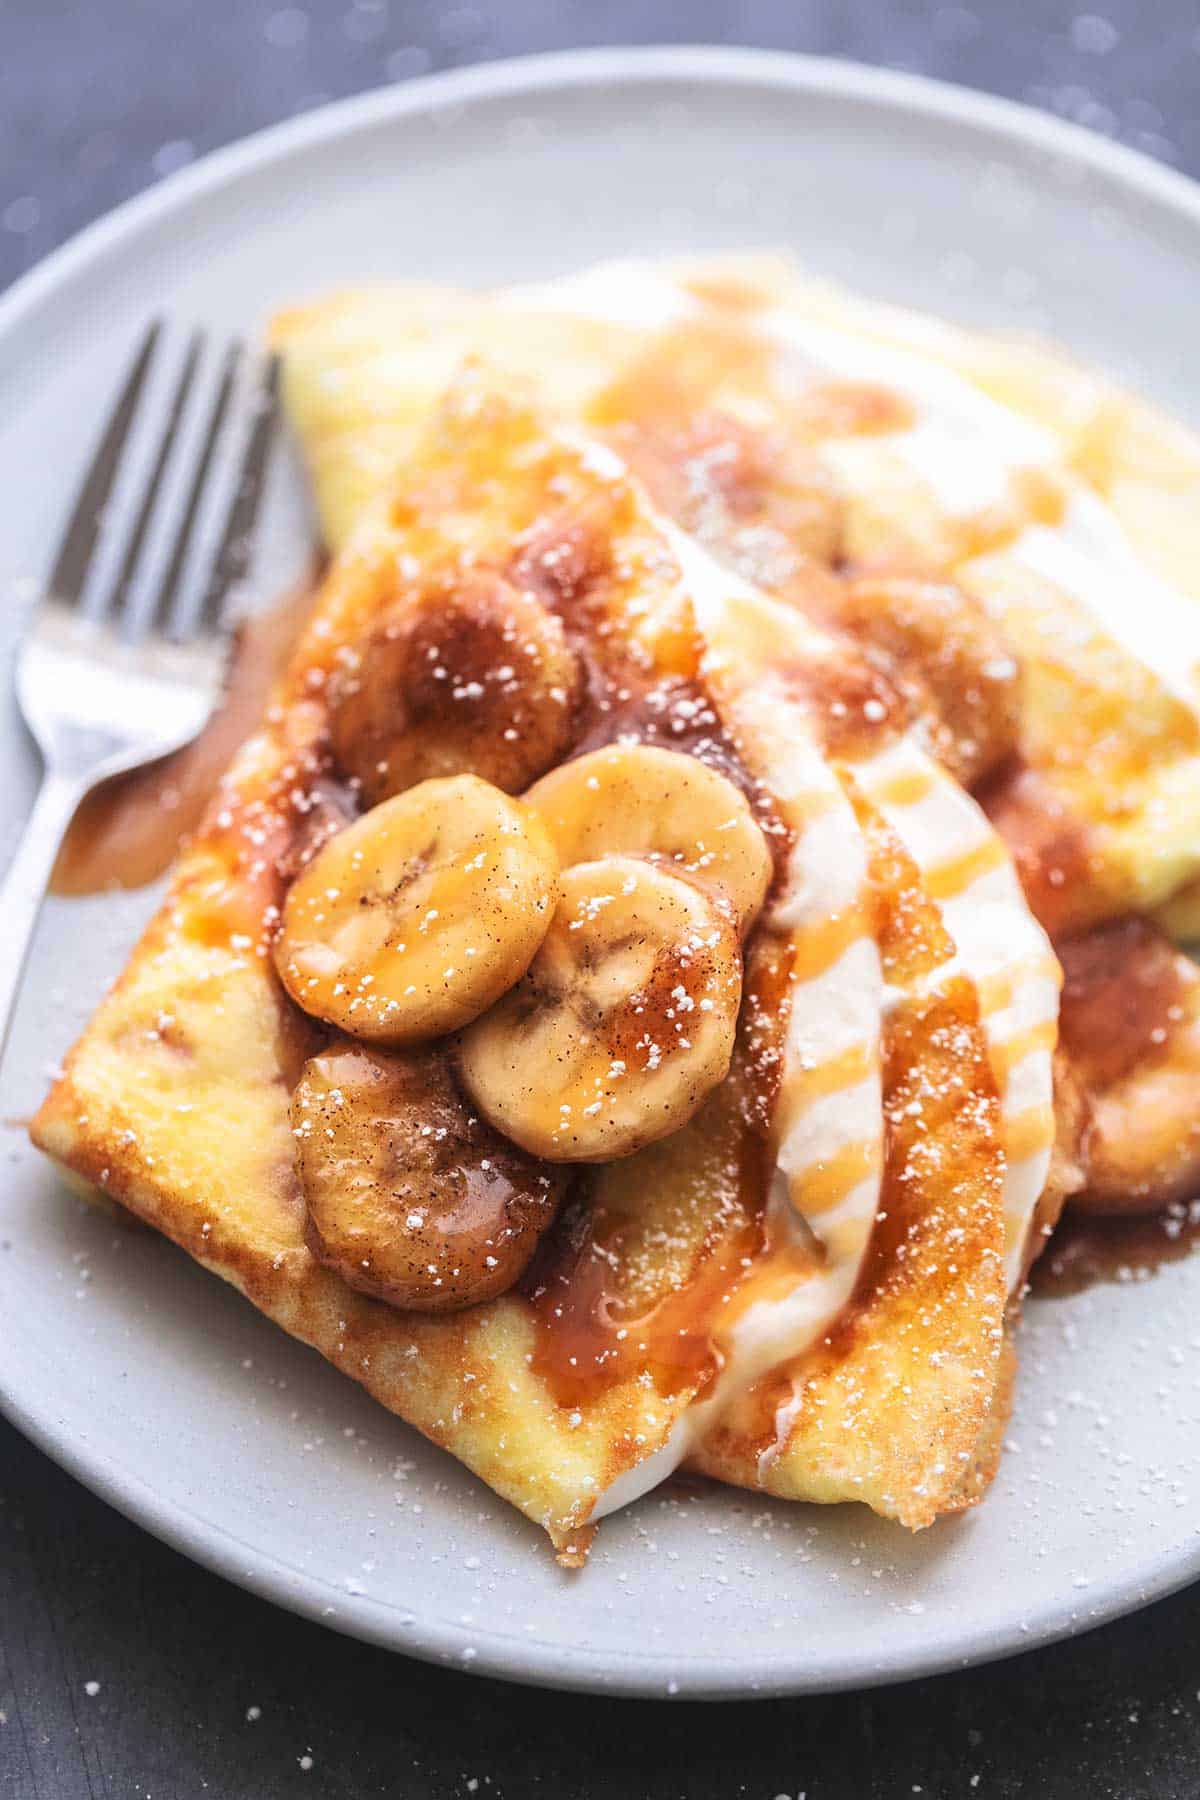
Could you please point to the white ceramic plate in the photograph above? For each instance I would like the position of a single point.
(157, 1385)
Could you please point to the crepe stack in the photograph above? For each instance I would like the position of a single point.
(860, 641)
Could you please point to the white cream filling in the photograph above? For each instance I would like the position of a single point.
(614, 293)
(840, 1008)
(995, 935)
(834, 1118)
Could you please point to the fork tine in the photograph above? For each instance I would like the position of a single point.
(121, 587)
(233, 554)
(79, 539)
(169, 586)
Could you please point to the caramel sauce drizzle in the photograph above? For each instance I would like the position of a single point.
(952, 877)
(584, 1344)
(834, 1178)
(848, 1070)
(824, 942)
(1005, 1056)
(907, 787)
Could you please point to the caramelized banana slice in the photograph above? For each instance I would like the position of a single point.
(414, 919)
(411, 1197)
(639, 800)
(623, 1024)
(479, 680)
(946, 656)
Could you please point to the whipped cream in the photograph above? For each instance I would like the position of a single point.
(999, 946)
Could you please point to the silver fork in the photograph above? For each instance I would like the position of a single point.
(106, 686)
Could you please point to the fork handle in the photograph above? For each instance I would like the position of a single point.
(25, 884)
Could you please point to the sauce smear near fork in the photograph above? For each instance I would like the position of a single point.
(128, 830)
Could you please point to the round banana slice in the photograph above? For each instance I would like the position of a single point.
(479, 680)
(640, 800)
(623, 1024)
(414, 919)
(411, 1197)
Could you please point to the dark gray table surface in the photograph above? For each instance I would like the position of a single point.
(126, 1671)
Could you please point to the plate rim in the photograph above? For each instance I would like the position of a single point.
(803, 73)
(508, 1655)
